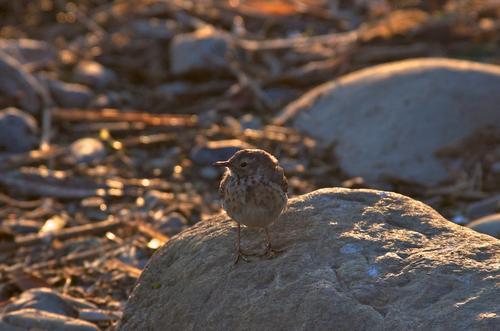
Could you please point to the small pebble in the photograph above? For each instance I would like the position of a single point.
(70, 95)
(94, 74)
(87, 150)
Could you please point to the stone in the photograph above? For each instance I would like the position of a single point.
(249, 121)
(70, 95)
(98, 315)
(17, 86)
(22, 226)
(388, 121)
(490, 205)
(351, 260)
(42, 299)
(18, 131)
(154, 28)
(29, 51)
(87, 150)
(214, 151)
(94, 74)
(33, 319)
(201, 51)
(489, 225)
(171, 91)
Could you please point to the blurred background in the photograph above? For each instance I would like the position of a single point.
(112, 113)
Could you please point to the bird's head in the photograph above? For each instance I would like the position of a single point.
(248, 162)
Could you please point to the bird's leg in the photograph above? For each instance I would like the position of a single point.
(239, 252)
(269, 248)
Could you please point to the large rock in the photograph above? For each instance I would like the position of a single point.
(352, 260)
(389, 120)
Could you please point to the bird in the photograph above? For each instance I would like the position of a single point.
(253, 191)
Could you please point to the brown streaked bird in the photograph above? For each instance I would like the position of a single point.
(253, 192)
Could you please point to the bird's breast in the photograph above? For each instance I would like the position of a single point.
(253, 201)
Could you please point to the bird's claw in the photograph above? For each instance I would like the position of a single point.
(241, 255)
(271, 252)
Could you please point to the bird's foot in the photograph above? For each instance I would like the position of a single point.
(271, 252)
(243, 256)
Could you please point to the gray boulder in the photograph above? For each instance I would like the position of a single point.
(351, 260)
(389, 120)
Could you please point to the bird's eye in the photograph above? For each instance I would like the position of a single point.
(243, 164)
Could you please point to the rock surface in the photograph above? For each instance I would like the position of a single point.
(390, 119)
(352, 260)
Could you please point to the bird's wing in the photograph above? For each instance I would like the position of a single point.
(223, 183)
(280, 179)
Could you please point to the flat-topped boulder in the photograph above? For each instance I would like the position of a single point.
(388, 121)
(351, 260)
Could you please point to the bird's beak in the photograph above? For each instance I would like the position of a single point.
(221, 164)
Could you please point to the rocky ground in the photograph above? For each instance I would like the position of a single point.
(113, 111)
